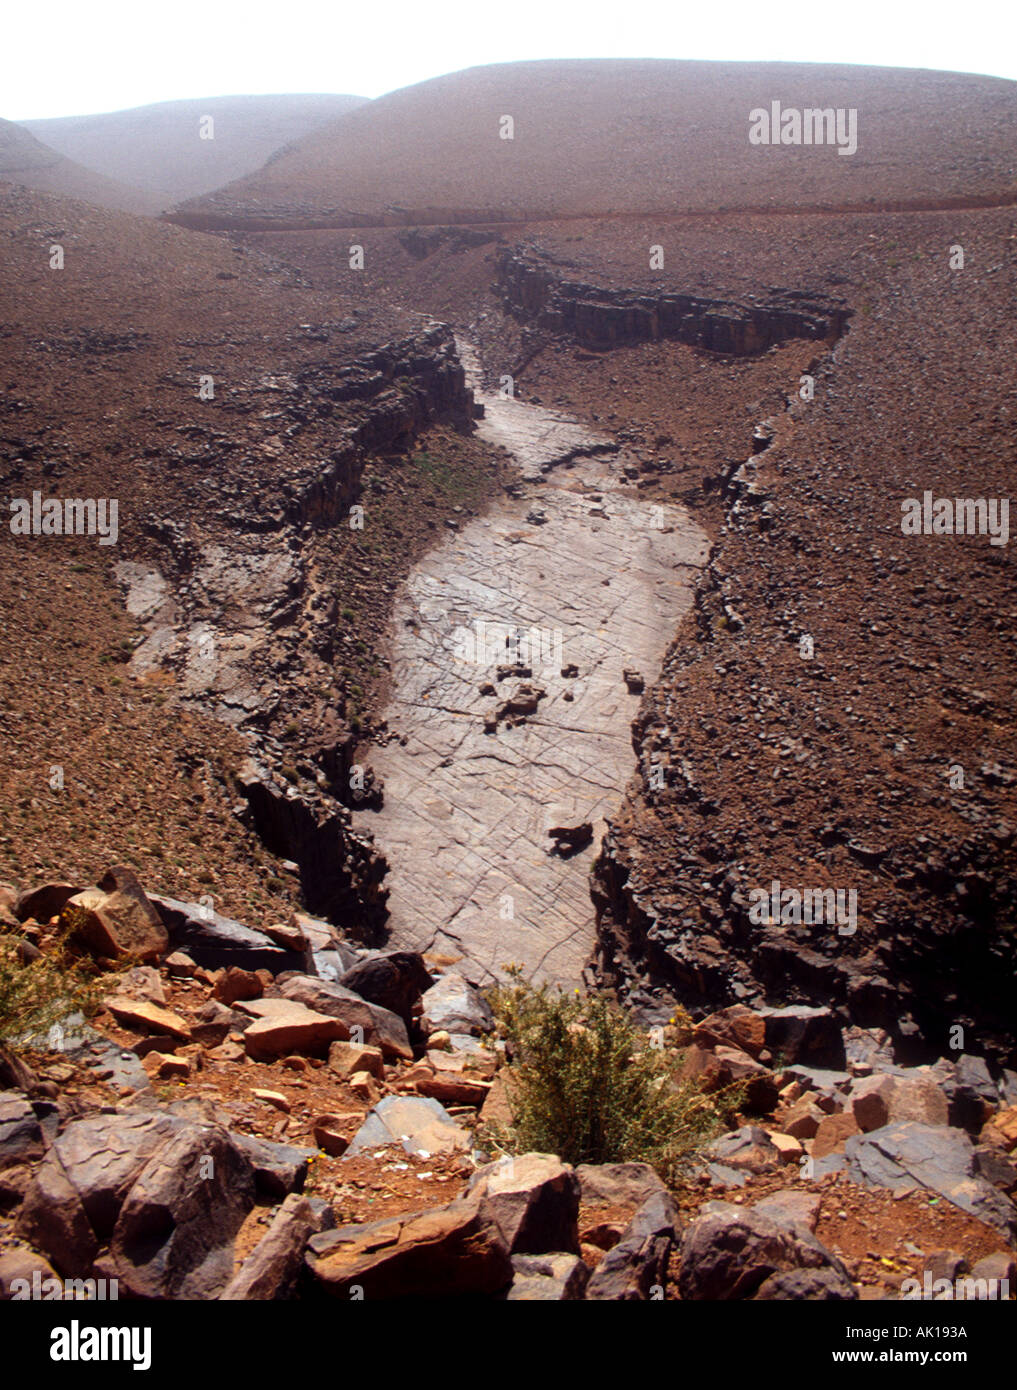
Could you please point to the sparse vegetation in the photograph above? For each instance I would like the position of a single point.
(36, 995)
(587, 1085)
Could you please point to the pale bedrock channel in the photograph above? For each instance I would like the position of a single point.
(466, 814)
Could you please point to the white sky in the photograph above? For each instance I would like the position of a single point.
(72, 57)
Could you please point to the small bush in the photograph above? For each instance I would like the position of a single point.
(35, 996)
(587, 1085)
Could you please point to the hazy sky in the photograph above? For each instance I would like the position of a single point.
(71, 57)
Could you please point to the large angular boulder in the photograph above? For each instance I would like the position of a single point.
(970, 1091)
(636, 1268)
(331, 956)
(421, 1125)
(46, 900)
(941, 1159)
(729, 1252)
(395, 980)
(116, 919)
(534, 1201)
(20, 1132)
(215, 942)
(881, 1100)
(801, 1033)
(279, 1169)
(552, 1278)
(143, 1017)
(453, 1005)
(72, 1204)
(282, 1026)
(453, 1251)
(175, 1232)
(78, 1189)
(367, 1022)
(273, 1267)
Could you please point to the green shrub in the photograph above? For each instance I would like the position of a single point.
(35, 996)
(587, 1085)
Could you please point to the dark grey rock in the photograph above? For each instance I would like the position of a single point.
(636, 1268)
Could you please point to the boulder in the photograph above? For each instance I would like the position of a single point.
(804, 1285)
(72, 1204)
(1000, 1132)
(1001, 1266)
(273, 1267)
(833, 1133)
(278, 1168)
(737, 1027)
(116, 919)
(452, 1089)
(236, 983)
(215, 942)
(724, 1066)
(142, 982)
(617, 1184)
(970, 1091)
(791, 1208)
(377, 1026)
(803, 1119)
(453, 1251)
(328, 1133)
(141, 1016)
(497, 1107)
(395, 980)
(730, 1252)
(453, 1005)
(881, 1100)
(420, 1125)
(99, 1158)
(800, 1033)
(996, 1167)
(908, 1154)
(174, 1235)
(534, 1201)
(553, 1278)
(46, 901)
(213, 1022)
(15, 1072)
(20, 1132)
(282, 1026)
(330, 955)
(749, 1149)
(636, 1268)
(346, 1058)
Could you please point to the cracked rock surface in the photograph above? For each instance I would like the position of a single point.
(600, 585)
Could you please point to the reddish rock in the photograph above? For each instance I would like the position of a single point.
(116, 919)
(833, 1132)
(453, 1251)
(143, 1017)
(235, 983)
(282, 1026)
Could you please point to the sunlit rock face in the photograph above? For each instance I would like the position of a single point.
(577, 574)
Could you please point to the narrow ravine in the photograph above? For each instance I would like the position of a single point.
(590, 577)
